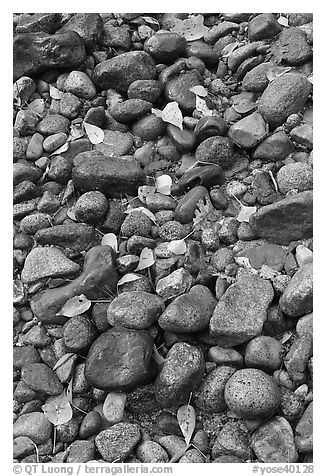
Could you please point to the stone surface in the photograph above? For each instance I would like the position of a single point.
(117, 442)
(275, 147)
(249, 131)
(216, 150)
(291, 47)
(176, 283)
(297, 176)
(72, 237)
(264, 353)
(177, 89)
(34, 425)
(242, 310)
(79, 84)
(304, 431)
(296, 359)
(270, 255)
(115, 143)
(210, 395)
(41, 378)
(263, 26)
(297, 298)
(233, 439)
(185, 210)
(286, 220)
(165, 47)
(89, 27)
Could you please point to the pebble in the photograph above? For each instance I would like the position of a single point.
(233, 439)
(89, 27)
(305, 325)
(136, 223)
(151, 452)
(172, 230)
(297, 358)
(304, 431)
(130, 110)
(177, 89)
(91, 207)
(165, 47)
(200, 49)
(241, 54)
(173, 444)
(149, 127)
(264, 353)
(146, 89)
(181, 374)
(176, 283)
(275, 147)
(192, 456)
(41, 378)
(210, 394)
(221, 258)
(291, 47)
(25, 171)
(118, 441)
(251, 393)
(303, 135)
(303, 255)
(70, 106)
(135, 310)
(78, 334)
(218, 31)
(24, 88)
(241, 311)
(216, 150)
(184, 140)
(274, 442)
(222, 356)
(47, 262)
(297, 298)
(227, 459)
(256, 79)
(114, 407)
(35, 147)
(33, 425)
(73, 238)
(81, 452)
(53, 124)
(297, 176)
(79, 84)
(127, 363)
(185, 210)
(26, 122)
(90, 424)
(190, 312)
(115, 143)
(26, 354)
(270, 255)
(263, 26)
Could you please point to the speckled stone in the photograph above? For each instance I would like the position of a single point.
(264, 353)
(118, 441)
(210, 395)
(34, 425)
(79, 84)
(151, 452)
(297, 176)
(297, 298)
(41, 378)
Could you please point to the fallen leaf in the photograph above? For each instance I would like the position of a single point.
(69, 191)
(18, 291)
(245, 213)
(128, 278)
(268, 273)
(76, 132)
(145, 191)
(199, 91)
(283, 21)
(57, 409)
(37, 106)
(178, 247)
(55, 93)
(94, 133)
(286, 336)
(228, 49)
(63, 360)
(310, 78)
(276, 71)
(201, 106)
(145, 211)
(110, 239)
(164, 184)
(146, 259)
(71, 214)
(151, 21)
(186, 416)
(61, 149)
(157, 357)
(191, 28)
(171, 114)
(245, 263)
(75, 306)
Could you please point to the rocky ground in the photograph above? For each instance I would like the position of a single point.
(162, 238)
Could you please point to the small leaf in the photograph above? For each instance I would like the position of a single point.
(199, 91)
(171, 114)
(310, 78)
(128, 278)
(69, 390)
(164, 184)
(268, 273)
(191, 28)
(69, 191)
(57, 409)
(146, 259)
(283, 21)
(37, 106)
(71, 214)
(64, 359)
(61, 149)
(75, 306)
(55, 93)
(228, 49)
(245, 212)
(245, 263)
(76, 132)
(145, 211)
(276, 71)
(201, 106)
(178, 247)
(286, 336)
(145, 191)
(151, 21)
(186, 416)
(110, 239)
(94, 133)
(157, 357)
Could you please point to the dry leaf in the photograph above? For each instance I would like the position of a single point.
(157, 357)
(171, 114)
(64, 359)
(37, 106)
(145, 191)
(164, 184)
(57, 409)
(245, 213)
(186, 416)
(110, 239)
(71, 214)
(69, 191)
(268, 273)
(283, 21)
(75, 306)
(76, 132)
(201, 106)
(310, 78)
(61, 149)
(55, 93)
(128, 278)
(146, 259)
(145, 211)
(199, 91)
(178, 247)
(94, 133)
(151, 21)
(228, 49)
(244, 262)
(276, 71)
(191, 28)
(69, 391)
(286, 336)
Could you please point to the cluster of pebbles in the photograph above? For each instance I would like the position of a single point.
(226, 324)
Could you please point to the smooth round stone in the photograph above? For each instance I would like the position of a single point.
(206, 175)
(210, 395)
(35, 147)
(216, 150)
(305, 325)
(192, 456)
(70, 106)
(53, 142)
(136, 223)
(78, 334)
(41, 378)
(130, 110)
(81, 452)
(264, 353)
(202, 50)
(53, 124)
(297, 176)
(251, 393)
(34, 425)
(303, 255)
(176, 283)
(256, 79)
(270, 255)
(114, 407)
(79, 84)
(222, 356)
(227, 459)
(177, 89)
(20, 145)
(249, 131)
(90, 425)
(159, 202)
(172, 230)
(151, 452)
(115, 143)
(276, 147)
(208, 127)
(135, 310)
(184, 140)
(120, 359)
(149, 128)
(292, 46)
(146, 89)
(165, 47)
(185, 210)
(91, 207)
(26, 354)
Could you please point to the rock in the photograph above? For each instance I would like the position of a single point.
(218, 31)
(270, 255)
(112, 176)
(181, 374)
(23, 171)
(185, 210)
(79, 84)
(297, 298)
(70, 106)
(145, 89)
(90, 425)
(91, 207)
(22, 446)
(291, 47)
(303, 135)
(47, 22)
(136, 223)
(249, 131)
(53, 124)
(81, 452)
(297, 19)
(297, 358)
(287, 220)
(304, 431)
(115, 143)
(53, 142)
(26, 354)
(192, 456)
(118, 441)
(130, 110)
(241, 311)
(47, 263)
(78, 334)
(264, 353)
(98, 271)
(24, 88)
(157, 202)
(298, 176)
(26, 122)
(38, 52)
(222, 356)
(206, 175)
(34, 425)
(122, 70)
(273, 442)
(72, 237)
(172, 230)
(263, 26)
(190, 312)
(184, 140)
(275, 147)
(227, 459)
(251, 393)
(256, 79)
(208, 126)
(221, 258)
(241, 54)
(303, 255)
(176, 283)
(210, 395)
(135, 310)
(200, 49)
(165, 47)
(89, 27)
(286, 95)
(114, 407)
(116, 37)
(177, 89)
(149, 128)
(216, 150)
(151, 452)
(41, 378)
(233, 439)
(305, 325)
(120, 359)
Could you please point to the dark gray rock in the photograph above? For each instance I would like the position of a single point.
(72, 237)
(44, 22)
(233, 439)
(165, 47)
(304, 431)
(34, 425)
(41, 378)
(210, 395)
(146, 89)
(118, 441)
(291, 47)
(263, 26)
(177, 89)
(89, 27)
(273, 148)
(130, 110)
(217, 150)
